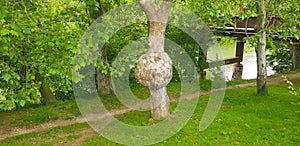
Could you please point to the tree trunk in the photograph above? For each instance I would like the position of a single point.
(156, 75)
(104, 81)
(261, 80)
(47, 94)
(295, 53)
(160, 103)
(45, 91)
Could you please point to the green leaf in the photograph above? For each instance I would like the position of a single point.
(4, 32)
(6, 77)
(296, 36)
(18, 77)
(14, 33)
(22, 103)
(104, 72)
(26, 31)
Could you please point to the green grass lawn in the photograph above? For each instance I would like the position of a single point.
(244, 119)
(65, 110)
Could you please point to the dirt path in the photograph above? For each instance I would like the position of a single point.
(14, 131)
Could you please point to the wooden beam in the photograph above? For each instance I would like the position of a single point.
(224, 61)
(239, 51)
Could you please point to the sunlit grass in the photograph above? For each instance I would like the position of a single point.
(66, 110)
(244, 119)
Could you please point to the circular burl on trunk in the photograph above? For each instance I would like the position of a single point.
(154, 70)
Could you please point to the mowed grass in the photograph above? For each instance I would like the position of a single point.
(244, 119)
(67, 110)
(38, 114)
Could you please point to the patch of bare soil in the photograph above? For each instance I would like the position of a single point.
(9, 131)
(293, 76)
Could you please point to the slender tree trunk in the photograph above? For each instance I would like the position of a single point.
(47, 94)
(154, 69)
(104, 81)
(260, 49)
(45, 91)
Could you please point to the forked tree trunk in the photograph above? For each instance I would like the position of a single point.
(154, 69)
(261, 80)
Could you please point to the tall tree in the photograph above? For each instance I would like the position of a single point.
(103, 79)
(95, 10)
(260, 49)
(38, 40)
(154, 69)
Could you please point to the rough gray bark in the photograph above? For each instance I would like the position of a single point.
(160, 103)
(261, 80)
(154, 69)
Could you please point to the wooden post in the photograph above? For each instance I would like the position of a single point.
(295, 52)
(239, 52)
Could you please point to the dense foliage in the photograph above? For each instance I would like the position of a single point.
(38, 39)
(279, 57)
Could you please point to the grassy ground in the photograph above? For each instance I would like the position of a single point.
(65, 110)
(244, 119)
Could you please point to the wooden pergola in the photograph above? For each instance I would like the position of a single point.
(242, 29)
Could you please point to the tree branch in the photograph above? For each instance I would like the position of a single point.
(23, 4)
(158, 12)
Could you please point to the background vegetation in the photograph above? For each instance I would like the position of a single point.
(39, 40)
